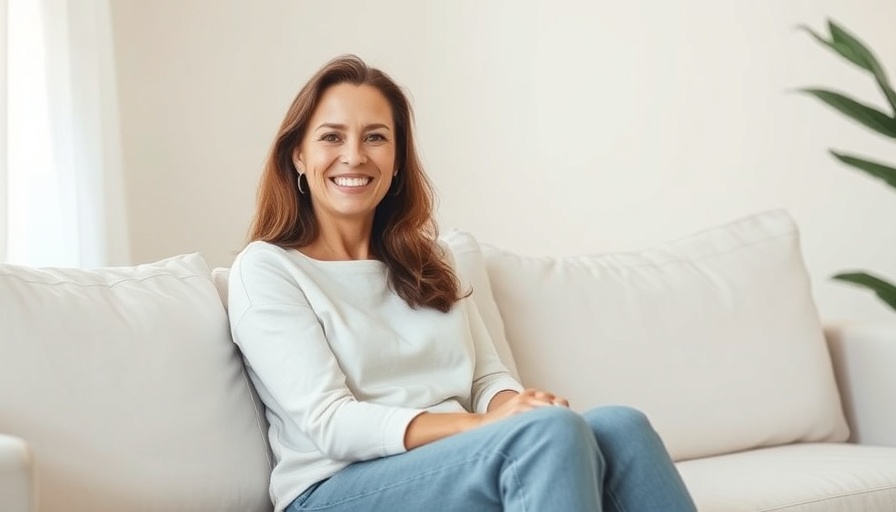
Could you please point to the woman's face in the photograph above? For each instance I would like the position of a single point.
(348, 152)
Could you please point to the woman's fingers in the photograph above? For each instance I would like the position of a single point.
(526, 401)
(545, 397)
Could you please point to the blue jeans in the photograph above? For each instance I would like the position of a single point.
(609, 459)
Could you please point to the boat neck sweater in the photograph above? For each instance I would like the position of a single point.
(343, 364)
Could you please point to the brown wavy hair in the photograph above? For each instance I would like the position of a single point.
(404, 233)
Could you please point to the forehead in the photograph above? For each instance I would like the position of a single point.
(350, 104)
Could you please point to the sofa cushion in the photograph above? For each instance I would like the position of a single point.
(470, 266)
(127, 386)
(221, 278)
(822, 477)
(715, 336)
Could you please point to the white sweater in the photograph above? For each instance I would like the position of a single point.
(343, 364)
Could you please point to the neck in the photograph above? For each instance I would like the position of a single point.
(341, 241)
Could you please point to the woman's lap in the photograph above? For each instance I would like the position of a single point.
(515, 460)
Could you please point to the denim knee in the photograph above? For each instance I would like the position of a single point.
(557, 428)
(551, 434)
(545, 455)
(555, 420)
(618, 417)
(621, 429)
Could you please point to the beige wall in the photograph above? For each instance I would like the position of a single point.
(559, 127)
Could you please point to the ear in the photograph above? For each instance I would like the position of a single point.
(297, 160)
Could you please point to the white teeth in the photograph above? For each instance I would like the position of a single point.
(343, 181)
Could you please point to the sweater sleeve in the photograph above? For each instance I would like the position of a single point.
(283, 342)
(490, 376)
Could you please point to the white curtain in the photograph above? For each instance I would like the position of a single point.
(64, 200)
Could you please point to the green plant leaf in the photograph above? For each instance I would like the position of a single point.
(841, 37)
(868, 116)
(883, 289)
(878, 170)
(863, 57)
(844, 50)
(890, 94)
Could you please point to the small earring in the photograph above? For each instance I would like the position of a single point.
(299, 181)
(395, 173)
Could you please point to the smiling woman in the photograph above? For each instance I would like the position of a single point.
(348, 159)
(347, 136)
(373, 363)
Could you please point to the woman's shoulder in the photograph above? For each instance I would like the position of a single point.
(443, 252)
(260, 256)
(262, 247)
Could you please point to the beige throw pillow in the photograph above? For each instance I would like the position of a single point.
(128, 388)
(715, 336)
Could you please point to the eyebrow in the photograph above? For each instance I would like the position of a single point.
(337, 126)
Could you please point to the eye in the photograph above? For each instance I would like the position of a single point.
(329, 137)
(376, 137)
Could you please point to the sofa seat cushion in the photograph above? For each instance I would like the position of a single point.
(714, 336)
(126, 384)
(812, 477)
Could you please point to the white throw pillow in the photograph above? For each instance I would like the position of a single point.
(221, 278)
(470, 264)
(126, 384)
(715, 336)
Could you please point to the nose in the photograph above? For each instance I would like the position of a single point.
(354, 154)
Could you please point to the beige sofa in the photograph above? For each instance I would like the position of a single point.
(120, 388)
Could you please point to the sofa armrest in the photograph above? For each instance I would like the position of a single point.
(864, 359)
(17, 486)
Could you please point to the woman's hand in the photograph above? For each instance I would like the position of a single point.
(503, 406)
(429, 426)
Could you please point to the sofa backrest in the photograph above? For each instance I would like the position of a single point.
(127, 386)
(221, 278)
(469, 263)
(715, 336)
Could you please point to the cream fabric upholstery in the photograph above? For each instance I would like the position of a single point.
(795, 478)
(864, 357)
(126, 384)
(16, 476)
(129, 393)
(221, 277)
(714, 336)
(471, 269)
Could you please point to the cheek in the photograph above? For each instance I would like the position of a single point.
(385, 159)
(320, 161)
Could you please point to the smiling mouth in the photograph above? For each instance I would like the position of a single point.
(351, 182)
